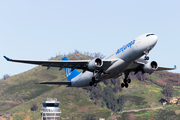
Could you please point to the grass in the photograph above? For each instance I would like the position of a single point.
(135, 102)
(75, 102)
(143, 90)
(146, 114)
(154, 77)
(176, 92)
(165, 113)
(19, 116)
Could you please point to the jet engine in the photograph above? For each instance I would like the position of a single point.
(150, 67)
(95, 64)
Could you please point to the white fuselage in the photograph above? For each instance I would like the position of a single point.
(124, 57)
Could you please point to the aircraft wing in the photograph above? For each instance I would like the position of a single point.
(57, 83)
(78, 64)
(137, 66)
(164, 68)
(74, 64)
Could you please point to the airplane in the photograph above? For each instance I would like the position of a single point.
(123, 60)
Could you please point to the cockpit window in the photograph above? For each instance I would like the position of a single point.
(149, 35)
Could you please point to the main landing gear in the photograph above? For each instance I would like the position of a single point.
(125, 84)
(95, 78)
(126, 81)
(93, 82)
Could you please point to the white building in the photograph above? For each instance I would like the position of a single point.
(50, 110)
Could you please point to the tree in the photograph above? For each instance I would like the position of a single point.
(91, 117)
(34, 107)
(168, 91)
(121, 102)
(141, 77)
(96, 93)
(5, 77)
(76, 52)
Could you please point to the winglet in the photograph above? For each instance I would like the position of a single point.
(8, 59)
(175, 66)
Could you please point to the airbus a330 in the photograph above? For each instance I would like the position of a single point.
(123, 60)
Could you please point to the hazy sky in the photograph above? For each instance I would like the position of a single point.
(40, 29)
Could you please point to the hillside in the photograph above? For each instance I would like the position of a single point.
(20, 92)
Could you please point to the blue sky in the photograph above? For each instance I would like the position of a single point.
(38, 30)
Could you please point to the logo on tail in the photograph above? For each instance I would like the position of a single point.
(69, 73)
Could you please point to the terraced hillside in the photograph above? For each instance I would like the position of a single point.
(19, 93)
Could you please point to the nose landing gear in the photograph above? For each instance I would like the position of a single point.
(146, 58)
(146, 53)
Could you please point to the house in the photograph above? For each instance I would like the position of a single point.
(113, 118)
(173, 100)
(101, 118)
(178, 102)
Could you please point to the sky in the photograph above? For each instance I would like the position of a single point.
(38, 30)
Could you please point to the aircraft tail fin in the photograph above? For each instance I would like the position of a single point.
(70, 74)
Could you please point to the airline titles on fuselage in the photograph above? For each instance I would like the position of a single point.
(125, 47)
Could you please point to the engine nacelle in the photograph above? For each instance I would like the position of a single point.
(150, 67)
(95, 64)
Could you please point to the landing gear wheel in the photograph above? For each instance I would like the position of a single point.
(126, 85)
(129, 81)
(122, 85)
(146, 58)
(93, 79)
(125, 80)
(91, 83)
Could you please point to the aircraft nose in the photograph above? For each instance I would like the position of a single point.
(154, 39)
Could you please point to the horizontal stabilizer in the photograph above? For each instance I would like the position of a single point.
(56, 83)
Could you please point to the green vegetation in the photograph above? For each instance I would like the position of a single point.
(20, 93)
(176, 92)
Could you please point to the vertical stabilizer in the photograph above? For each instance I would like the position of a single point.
(69, 73)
